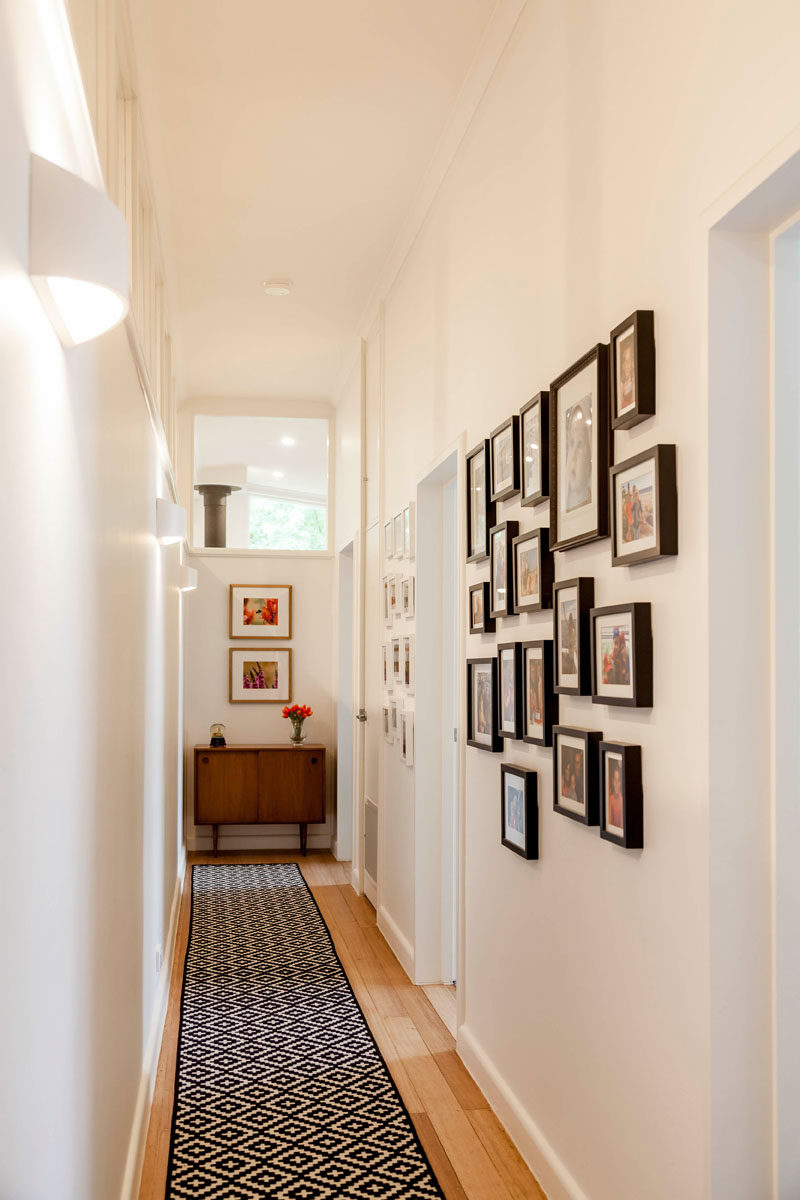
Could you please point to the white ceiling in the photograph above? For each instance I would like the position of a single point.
(292, 137)
(222, 444)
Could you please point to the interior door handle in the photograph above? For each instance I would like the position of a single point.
(361, 715)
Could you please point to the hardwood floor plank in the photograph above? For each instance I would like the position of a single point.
(461, 1083)
(505, 1156)
(443, 1000)
(443, 1168)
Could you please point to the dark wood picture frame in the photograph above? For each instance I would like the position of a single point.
(509, 530)
(546, 571)
(488, 625)
(541, 401)
(584, 585)
(591, 739)
(599, 356)
(516, 650)
(488, 507)
(550, 701)
(644, 369)
(640, 655)
(511, 424)
(665, 506)
(530, 802)
(496, 743)
(632, 796)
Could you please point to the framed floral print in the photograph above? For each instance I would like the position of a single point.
(260, 675)
(260, 611)
(534, 449)
(633, 370)
(580, 452)
(480, 509)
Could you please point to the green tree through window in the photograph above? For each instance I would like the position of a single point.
(284, 525)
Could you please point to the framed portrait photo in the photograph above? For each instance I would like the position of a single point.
(502, 568)
(580, 449)
(633, 370)
(409, 529)
(260, 675)
(575, 773)
(621, 808)
(387, 728)
(539, 701)
(407, 737)
(519, 810)
(572, 603)
(388, 541)
(398, 538)
(480, 510)
(260, 611)
(509, 690)
(533, 571)
(409, 667)
(409, 590)
(534, 449)
(479, 606)
(644, 507)
(622, 655)
(505, 459)
(482, 704)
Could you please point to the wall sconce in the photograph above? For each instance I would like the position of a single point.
(170, 522)
(187, 578)
(79, 258)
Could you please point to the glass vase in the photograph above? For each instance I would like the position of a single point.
(297, 737)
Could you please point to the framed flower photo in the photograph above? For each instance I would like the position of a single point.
(580, 452)
(260, 611)
(502, 568)
(479, 606)
(533, 571)
(519, 810)
(480, 509)
(509, 692)
(539, 701)
(398, 540)
(621, 807)
(505, 459)
(534, 449)
(482, 730)
(644, 507)
(409, 529)
(572, 603)
(633, 370)
(575, 773)
(408, 664)
(260, 675)
(407, 737)
(388, 542)
(409, 596)
(622, 655)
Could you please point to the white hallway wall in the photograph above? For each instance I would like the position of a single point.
(577, 195)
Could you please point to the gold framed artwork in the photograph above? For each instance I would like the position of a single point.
(261, 611)
(260, 675)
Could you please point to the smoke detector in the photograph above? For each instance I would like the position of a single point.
(277, 287)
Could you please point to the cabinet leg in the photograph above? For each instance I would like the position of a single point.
(215, 835)
(303, 837)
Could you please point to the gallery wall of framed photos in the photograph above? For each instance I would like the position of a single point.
(398, 651)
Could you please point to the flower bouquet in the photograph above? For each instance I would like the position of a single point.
(297, 715)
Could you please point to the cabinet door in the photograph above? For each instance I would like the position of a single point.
(291, 786)
(227, 787)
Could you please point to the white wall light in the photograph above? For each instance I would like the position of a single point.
(170, 522)
(187, 578)
(79, 260)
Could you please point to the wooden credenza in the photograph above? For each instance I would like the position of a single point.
(259, 785)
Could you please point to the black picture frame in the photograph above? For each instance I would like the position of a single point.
(637, 668)
(597, 528)
(515, 650)
(495, 742)
(545, 569)
(500, 492)
(538, 404)
(530, 807)
(480, 551)
(631, 836)
(488, 623)
(506, 531)
(590, 740)
(578, 683)
(664, 515)
(642, 341)
(540, 648)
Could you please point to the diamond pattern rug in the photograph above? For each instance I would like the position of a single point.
(280, 1090)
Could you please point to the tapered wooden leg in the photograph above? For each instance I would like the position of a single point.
(303, 837)
(215, 835)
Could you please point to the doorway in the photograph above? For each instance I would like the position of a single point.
(345, 712)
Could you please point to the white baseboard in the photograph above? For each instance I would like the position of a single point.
(403, 950)
(259, 841)
(141, 1116)
(354, 879)
(552, 1173)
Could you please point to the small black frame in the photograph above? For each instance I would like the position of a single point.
(641, 656)
(512, 426)
(530, 787)
(542, 400)
(632, 802)
(598, 354)
(584, 585)
(549, 697)
(509, 530)
(496, 743)
(489, 512)
(591, 739)
(516, 650)
(546, 571)
(644, 369)
(665, 506)
(488, 624)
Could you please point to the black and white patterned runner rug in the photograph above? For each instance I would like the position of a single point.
(280, 1090)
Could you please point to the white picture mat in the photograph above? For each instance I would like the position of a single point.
(567, 741)
(280, 592)
(266, 655)
(581, 389)
(634, 476)
(603, 634)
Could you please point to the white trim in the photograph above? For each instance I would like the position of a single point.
(398, 942)
(238, 552)
(370, 889)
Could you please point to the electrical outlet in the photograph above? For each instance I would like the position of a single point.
(159, 960)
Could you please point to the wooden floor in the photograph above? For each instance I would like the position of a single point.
(467, 1146)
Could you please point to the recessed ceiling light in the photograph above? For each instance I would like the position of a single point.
(277, 287)
(287, 441)
(277, 474)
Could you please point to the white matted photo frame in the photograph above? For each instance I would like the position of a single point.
(409, 595)
(407, 737)
(534, 449)
(580, 452)
(621, 807)
(388, 677)
(633, 370)
(388, 736)
(572, 602)
(398, 538)
(397, 660)
(388, 540)
(533, 571)
(409, 664)
(409, 529)
(480, 510)
(622, 655)
(505, 459)
(576, 754)
(539, 701)
(260, 675)
(394, 709)
(260, 610)
(644, 507)
(519, 810)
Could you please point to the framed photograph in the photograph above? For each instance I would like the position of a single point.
(580, 452)
(505, 459)
(572, 603)
(394, 597)
(407, 737)
(509, 690)
(533, 571)
(519, 810)
(388, 542)
(397, 537)
(633, 370)
(388, 678)
(409, 595)
(482, 704)
(479, 605)
(621, 809)
(397, 664)
(502, 568)
(260, 675)
(576, 756)
(409, 669)
(260, 610)
(480, 510)
(539, 701)
(622, 655)
(387, 600)
(387, 728)
(644, 507)
(394, 709)
(534, 449)
(409, 529)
